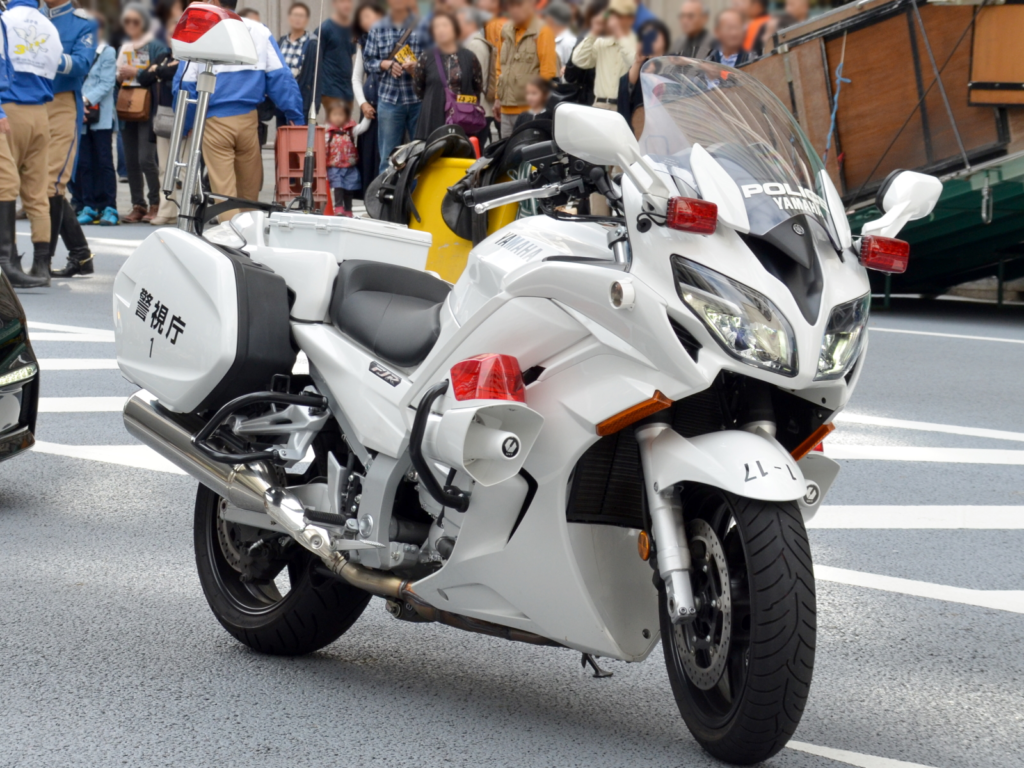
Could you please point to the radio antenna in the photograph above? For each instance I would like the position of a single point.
(305, 200)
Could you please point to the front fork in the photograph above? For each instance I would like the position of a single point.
(668, 531)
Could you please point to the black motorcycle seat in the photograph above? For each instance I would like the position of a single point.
(392, 311)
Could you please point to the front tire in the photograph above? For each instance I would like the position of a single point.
(268, 596)
(741, 672)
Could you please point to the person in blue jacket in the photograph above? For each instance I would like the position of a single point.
(31, 55)
(77, 30)
(231, 147)
(95, 180)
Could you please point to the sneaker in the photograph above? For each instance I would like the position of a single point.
(109, 218)
(343, 212)
(88, 215)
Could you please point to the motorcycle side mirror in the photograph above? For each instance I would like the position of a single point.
(602, 137)
(904, 196)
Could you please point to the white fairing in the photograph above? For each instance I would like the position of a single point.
(190, 280)
(739, 462)
(717, 186)
(227, 42)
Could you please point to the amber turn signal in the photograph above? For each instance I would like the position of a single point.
(633, 414)
(811, 442)
(643, 546)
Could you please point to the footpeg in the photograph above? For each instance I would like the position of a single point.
(598, 672)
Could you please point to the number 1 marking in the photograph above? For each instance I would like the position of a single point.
(151, 347)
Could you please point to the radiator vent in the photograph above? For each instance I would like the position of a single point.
(606, 484)
(687, 339)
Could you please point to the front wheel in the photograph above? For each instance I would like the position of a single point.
(741, 671)
(264, 588)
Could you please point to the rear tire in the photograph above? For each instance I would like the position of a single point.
(314, 611)
(742, 693)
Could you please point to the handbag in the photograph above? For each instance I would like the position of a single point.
(91, 114)
(133, 104)
(469, 116)
(163, 122)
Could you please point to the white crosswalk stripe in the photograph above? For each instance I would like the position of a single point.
(841, 451)
(1001, 600)
(926, 426)
(77, 364)
(851, 758)
(892, 517)
(138, 456)
(80, 404)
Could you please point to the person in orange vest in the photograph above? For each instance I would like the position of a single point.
(757, 16)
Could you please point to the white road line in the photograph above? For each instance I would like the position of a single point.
(80, 404)
(919, 517)
(104, 241)
(874, 328)
(851, 758)
(55, 332)
(71, 337)
(1000, 600)
(915, 453)
(138, 456)
(926, 426)
(33, 324)
(78, 364)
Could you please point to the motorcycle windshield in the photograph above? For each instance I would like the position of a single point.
(744, 127)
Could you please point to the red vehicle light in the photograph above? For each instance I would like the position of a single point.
(488, 377)
(198, 19)
(688, 215)
(885, 254)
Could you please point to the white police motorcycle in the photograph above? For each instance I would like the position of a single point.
(600, 436)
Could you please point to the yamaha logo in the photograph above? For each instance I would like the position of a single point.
(510, 447)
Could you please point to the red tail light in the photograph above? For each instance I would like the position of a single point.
(198, 19)
(885, 254)
(689, 215)
(488, 377)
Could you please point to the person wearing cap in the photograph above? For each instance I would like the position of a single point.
(32, 55)
(609, 49)
(231, 146)
(526, 50)
(558, 16)
(77, 29)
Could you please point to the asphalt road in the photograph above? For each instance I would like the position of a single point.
(109, 655)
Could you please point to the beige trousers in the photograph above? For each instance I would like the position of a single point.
(231, 149)
(30, 133)
(63, 148)
(168, 209)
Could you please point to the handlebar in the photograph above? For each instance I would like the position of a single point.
(474, 197)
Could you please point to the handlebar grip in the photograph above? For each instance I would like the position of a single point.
(493, 192)
(533, 152)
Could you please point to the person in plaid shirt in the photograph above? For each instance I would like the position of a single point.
(398, 107)
(294, 42)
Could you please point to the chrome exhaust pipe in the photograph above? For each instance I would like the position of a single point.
(250, 487)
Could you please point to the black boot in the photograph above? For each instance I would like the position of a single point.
(79, 256)
(40, 262)
(10, 261)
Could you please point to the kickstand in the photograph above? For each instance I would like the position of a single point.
(598, 672)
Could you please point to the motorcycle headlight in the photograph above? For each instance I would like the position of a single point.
(843, 339)
(744, 322)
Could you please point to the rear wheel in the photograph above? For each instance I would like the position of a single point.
(741, 671)
(264, 588)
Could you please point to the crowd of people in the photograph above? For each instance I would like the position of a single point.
(375, 71)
